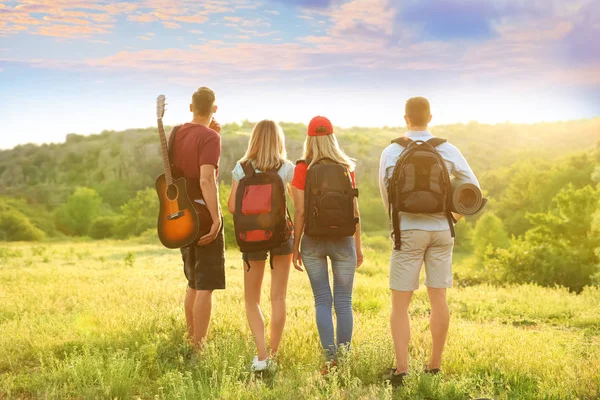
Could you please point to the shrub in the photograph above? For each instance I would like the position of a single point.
(489, 233)
(149, 236)
(463, 241)
(559, 250)
(138, 214)
(14, 226)
(76, 216)
(103, 228)
(378, 243)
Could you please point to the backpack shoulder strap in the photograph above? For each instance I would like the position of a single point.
(403, 141)
(325, 159)
(171, 144)
(248, 169)
(436, 141)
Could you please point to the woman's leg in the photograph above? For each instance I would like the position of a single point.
(279, 282)
(315, 263)
(343, 262)
(252, 287)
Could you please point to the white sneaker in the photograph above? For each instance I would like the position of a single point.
(258, 366)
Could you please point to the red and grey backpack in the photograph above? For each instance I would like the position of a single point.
(261, 219)
(329, 200)
(420, 183)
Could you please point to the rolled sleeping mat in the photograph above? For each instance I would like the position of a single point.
(466, 198)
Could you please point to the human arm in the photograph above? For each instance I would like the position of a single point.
(462, 171)
(210, 193)
(357, 236)
(298, 199)
(460, 168)
(383, 179)
(215, 126)
(231, 201)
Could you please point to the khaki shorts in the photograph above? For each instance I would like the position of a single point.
(434, 248)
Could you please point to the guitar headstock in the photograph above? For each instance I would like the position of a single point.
(160, 106)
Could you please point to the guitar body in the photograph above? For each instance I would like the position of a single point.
(178, 224)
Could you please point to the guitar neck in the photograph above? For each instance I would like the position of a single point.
(165, 152)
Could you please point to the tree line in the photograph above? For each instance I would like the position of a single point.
(542, 224)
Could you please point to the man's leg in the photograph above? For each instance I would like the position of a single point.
(208, 275)
(405, 267)
(439, 322)
(190, 297)
(201, 315)
(400, 322)
(438, 266)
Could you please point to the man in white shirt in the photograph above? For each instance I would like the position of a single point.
(425, 238)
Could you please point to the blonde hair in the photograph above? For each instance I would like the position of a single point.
(319, 147)
(266, 147)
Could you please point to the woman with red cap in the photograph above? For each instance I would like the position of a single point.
(327, 226)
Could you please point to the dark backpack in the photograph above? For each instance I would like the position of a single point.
(261, 219)
(329, 200)
(420, 183)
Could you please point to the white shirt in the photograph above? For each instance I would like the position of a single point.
(457, 167)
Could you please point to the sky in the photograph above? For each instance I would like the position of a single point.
(84, 66)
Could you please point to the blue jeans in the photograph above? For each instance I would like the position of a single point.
(342, 253)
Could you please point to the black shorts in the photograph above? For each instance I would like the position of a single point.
(204, 266)
(283, 250)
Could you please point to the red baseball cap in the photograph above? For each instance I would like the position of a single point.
(320, 126)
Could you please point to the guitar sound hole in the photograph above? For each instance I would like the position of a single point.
(172, 192)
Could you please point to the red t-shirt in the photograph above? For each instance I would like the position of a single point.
(195, 145)
(299, 181)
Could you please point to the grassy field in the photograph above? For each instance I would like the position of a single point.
(93, 320)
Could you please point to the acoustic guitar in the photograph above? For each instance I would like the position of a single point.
(178, 223)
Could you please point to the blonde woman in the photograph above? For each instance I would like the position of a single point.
(329, 233)
(266, 151)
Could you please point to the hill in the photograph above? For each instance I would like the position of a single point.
(118, 164)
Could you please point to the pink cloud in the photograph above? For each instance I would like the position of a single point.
(171, 25)
(70, 31)
(196, 18)
(149, 17)
(98, 14)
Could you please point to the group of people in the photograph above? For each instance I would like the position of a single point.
(422, 237)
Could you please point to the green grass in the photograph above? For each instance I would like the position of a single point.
(105, 320)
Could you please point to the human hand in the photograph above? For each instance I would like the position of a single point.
(360, 258)
(211, 235)
(298, 260)
(215, 126)
(457, 217)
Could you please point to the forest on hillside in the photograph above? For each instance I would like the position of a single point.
(542, 223)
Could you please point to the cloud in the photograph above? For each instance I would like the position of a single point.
(59, 18)
(171, 25)
(451, 19)
(581, 45)
(363, 17)
(195, 19)
(318, 4)
(43, 16)
(532, 44)
(146, 17)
